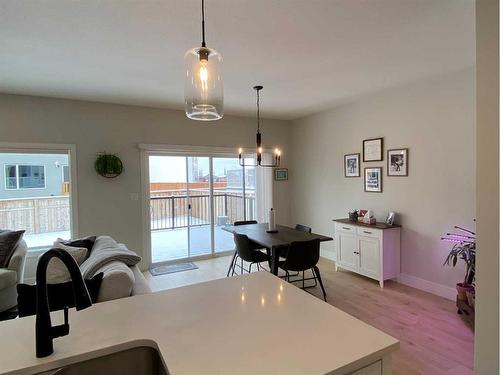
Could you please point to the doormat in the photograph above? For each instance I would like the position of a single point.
(172, 268)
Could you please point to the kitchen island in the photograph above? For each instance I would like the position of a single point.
(250, 324)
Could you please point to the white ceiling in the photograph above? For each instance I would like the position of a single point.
(308, 54)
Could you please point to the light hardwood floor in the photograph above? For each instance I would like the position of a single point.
(434, 339)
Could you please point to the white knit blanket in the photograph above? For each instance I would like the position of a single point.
(104, 251)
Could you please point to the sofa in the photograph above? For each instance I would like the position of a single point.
(11, 276)
(122, 278)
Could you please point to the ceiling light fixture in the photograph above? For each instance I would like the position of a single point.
(277, 153)
(203, 89)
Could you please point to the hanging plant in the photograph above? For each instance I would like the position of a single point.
(108, 165)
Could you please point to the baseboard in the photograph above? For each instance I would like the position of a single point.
(428, 286)
(328, 254)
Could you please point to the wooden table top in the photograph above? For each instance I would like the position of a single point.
(378, 225)
(284, 237)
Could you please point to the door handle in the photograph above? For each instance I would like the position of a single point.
(356, 252)
(189, 206)
(367, 232)
(346, 228)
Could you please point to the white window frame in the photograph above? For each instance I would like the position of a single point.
(48, 148)
(17, 165)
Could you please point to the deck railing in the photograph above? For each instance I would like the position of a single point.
(52, 214)
(173, 211)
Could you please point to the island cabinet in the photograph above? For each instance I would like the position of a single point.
(370, 250)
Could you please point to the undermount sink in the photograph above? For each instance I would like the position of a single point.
(142, 360)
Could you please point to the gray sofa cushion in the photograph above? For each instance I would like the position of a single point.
(8, 242)
(8, 278)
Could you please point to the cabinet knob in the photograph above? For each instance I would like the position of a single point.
(365, 231)
(346, 228)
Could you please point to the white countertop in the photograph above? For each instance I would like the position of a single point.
(251, 324)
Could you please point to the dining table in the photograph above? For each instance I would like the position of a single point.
(274, 242)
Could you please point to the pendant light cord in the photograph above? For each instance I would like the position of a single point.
(258, 111)
(203, 44)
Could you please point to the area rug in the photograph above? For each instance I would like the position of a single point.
(172, 268)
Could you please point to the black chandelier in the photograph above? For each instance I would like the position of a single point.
(277, 153)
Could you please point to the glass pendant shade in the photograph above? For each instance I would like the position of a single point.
(203, 86)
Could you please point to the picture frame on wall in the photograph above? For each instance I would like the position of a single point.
(397, 162)
(281, 174)
(373, 179)
(351, 165)
(373, 149)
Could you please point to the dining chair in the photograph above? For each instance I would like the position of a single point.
(303, 228)
(247, 251)
(302, 256)
(233, 264)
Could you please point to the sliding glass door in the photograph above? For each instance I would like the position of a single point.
(191, 199)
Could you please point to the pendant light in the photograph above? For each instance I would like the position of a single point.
(277, 153)
(203, 89)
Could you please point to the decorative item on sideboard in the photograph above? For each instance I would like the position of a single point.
(353, 215)
(366, 217)
(391, 217)
(464, 248)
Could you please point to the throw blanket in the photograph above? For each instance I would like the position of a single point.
(107, 250)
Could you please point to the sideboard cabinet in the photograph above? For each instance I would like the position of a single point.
(370, 250)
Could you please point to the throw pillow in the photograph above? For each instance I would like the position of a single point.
(8, 242)
(87, 242)
(60, 295)
(57, 271)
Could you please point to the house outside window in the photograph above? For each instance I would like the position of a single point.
(24, 177)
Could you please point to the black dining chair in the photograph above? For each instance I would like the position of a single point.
(302, 256)
(303, 228)
(233, 263)
(248, 251)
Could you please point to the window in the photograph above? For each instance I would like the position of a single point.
(11, 177)
(65, 173)
(24, 177)
(35, 196)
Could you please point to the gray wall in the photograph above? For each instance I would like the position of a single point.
(434, 118)
(487, 309)
(53, 174)
(105, 206)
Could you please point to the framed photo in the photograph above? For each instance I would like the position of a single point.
(390, 218)
(373, 149)
(397, 162)
(281, 174)
(373, 180)
(351, 165)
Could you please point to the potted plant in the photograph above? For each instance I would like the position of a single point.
(467, 252)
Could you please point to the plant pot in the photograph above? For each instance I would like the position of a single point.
(462, 289)
(471, 298)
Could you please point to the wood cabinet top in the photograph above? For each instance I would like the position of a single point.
(377, 225)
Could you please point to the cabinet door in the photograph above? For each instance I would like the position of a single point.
(369, 255)
(346, 256)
